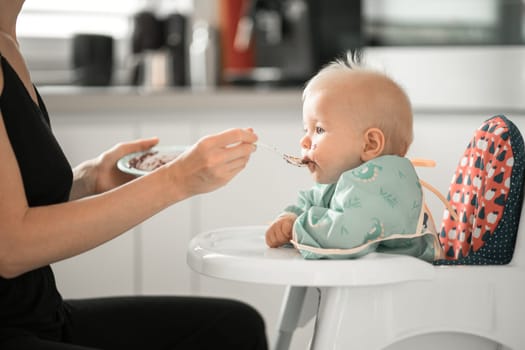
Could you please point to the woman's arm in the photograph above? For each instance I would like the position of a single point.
(31, 237)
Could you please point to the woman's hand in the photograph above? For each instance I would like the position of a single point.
(280, 231)
(212, 162)
(108, 175)
(101, 174)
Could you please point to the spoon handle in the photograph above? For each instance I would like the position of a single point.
(268, 147)
(297, 161)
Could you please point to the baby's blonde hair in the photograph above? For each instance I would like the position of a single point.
(391, 110)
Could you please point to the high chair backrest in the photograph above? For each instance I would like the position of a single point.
(487, 194)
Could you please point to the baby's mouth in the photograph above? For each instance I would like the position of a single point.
(309, 163)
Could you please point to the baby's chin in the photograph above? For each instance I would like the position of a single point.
(323, 180)
(320, 176)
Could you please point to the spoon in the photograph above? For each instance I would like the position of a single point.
(297, 161)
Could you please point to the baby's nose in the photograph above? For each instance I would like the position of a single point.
(305, 142)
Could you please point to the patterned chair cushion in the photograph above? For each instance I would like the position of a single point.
(487, 194)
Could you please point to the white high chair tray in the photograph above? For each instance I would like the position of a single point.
(241, 254)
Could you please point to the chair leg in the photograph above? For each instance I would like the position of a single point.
(299, 305)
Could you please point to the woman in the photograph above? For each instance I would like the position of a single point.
(49, 212)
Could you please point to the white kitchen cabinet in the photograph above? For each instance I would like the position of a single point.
(151, 259)
(111, 268)
(164, 238)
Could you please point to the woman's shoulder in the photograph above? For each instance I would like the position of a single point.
(8, 45)
(8, 48)
(11, 55)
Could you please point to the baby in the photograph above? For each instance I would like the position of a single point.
(367, 197)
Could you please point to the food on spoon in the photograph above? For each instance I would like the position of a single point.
(295, 160)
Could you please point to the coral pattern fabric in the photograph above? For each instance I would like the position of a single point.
(479, 190)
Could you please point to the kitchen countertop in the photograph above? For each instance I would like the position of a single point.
(73, 99)
(122, 100)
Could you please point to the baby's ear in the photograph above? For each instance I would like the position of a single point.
(374, 144)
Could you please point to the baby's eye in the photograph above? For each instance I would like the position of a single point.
(319, 130)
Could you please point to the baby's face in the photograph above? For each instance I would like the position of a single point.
(332, 143)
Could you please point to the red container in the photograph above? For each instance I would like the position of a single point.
(234, 61)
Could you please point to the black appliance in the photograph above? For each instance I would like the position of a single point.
(166, 36)
(92, 59)
(295, 38)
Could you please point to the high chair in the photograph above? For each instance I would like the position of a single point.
(479, 307)
(384, 301)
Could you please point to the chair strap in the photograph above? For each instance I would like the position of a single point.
(421, 162)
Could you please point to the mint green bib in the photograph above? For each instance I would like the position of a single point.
(376, 207)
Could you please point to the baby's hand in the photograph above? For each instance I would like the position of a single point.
(280, 231)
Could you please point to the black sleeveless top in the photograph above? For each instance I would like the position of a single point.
(31, 302)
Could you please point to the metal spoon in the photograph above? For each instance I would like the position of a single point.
(297, 161)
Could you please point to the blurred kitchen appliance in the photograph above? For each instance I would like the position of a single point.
(159, 50)
(283, 40)
(92, 59)
(204, 56)
(146, 39)
(336, 28)
(175, 41)
(236, 59)
(294, 38)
